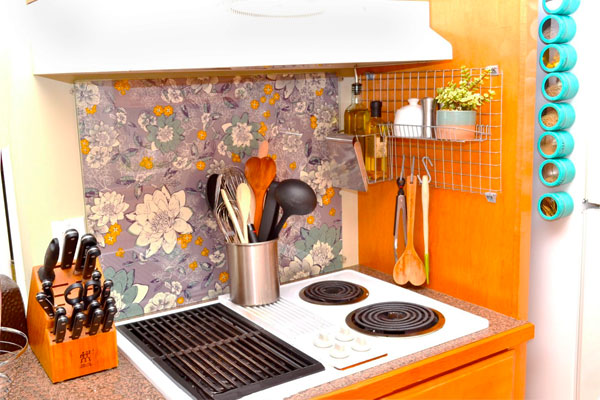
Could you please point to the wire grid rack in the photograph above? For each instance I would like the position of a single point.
(466, 165)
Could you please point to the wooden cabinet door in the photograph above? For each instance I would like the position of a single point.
(491, 378)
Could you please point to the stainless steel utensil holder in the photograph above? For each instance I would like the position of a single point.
(253, 272)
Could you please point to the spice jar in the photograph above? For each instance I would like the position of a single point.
(558, 57)
(556, 116)
(553, 206)
(562, 7)
(557, 29)
(556, 144)
(560, 86)
(557, 171)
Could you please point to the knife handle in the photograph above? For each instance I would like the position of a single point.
(61, 328)
(69, 246)
(87, 241)
(108, 303)
(45, 303)
(108, 284)
(96, 275)
(96, 321)
(77, 309)
(77, 325)
(94, 305)
(60, 312)
(90, 262)
(109, 318)
(47, 288)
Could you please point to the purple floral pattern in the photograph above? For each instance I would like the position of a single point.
(147, 148)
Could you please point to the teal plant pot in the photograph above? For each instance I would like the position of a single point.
(456, 124)
(553, 206)
(558, 57)
(558, 171)
(557, 144)
(558, 86)
(557, 29)
(560, 7)
(556, 116)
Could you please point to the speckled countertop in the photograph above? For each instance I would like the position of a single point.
(29, 381)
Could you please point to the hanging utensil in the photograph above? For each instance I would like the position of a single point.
(211, 187)
(244, 200)
(295, 198)
(260, 172)
(409, 267)
(263, 149)
(400, 215)
(425, 203)
(225, 225)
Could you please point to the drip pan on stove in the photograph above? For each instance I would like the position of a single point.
(333, 292)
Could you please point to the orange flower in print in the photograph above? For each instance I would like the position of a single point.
(120, 252)
(267, 114)
(293, 165)
(115, 229)
(276, 96)
(122, 86)
(110, 239)
(319, 92)
(91, 110)
(193, 265)
(147, 163)
(158, 111)
(202, 135)
(199, 241)
(310, 220)
(263, 128)
(330, 191)
(326, 200)
(235, 157)
(272, 101)
(332, 212)
(167, 111)
(200, 165)
(223, 277)
(263, 99)
(205, 252)
(268, 89)
(254, 104)
(180, 300)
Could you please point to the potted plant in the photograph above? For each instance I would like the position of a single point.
(458, 105)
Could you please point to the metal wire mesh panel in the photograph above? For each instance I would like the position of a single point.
(464, 165)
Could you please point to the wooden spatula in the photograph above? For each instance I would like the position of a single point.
(409, 267)
(260, 172)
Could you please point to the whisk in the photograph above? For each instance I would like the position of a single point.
(230, 180)
(225, 223)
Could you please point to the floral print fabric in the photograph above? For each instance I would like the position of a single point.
(147, 148)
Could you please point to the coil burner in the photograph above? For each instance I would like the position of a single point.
(333, 293)
(395, 319)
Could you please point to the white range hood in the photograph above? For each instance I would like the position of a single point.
(113, 36)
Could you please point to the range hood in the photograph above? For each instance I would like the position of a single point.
(115, 36)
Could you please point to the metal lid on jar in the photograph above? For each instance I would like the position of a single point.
(376, 109)
(356, 88)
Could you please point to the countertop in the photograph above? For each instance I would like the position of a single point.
(29, 380)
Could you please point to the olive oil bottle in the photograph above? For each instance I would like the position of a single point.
(376, 154)
(356, 117)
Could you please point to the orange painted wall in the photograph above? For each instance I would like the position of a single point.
(479, 251)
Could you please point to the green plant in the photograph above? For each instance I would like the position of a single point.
(463, 95)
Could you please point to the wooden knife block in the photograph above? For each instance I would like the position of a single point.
(71, 358)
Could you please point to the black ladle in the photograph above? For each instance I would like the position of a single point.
(211, 186)
(295, 198)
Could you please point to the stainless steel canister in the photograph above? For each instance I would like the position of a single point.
(253, 272)
(429, 106)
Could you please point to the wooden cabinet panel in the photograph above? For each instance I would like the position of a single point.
(491, 378)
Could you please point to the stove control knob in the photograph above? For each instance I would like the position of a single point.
(344, 334)
(339, 351)
(361, 344)
(323, 340)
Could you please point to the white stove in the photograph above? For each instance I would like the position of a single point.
(321, 332)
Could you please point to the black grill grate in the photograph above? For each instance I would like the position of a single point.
(214, 353)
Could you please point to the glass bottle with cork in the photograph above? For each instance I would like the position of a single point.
(356, 116)
(376, 144)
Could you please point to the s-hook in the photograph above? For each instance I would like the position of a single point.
(425, 165)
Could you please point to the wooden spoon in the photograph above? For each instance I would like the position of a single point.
(243, 196)
(409, 267)
(263, 149)
(260, 172)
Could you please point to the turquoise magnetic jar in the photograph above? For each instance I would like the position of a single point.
(556, 116)
(558, 86)
(557, 171)
(558, 144)
(562, 7)
(557, 29)
(553, 206)
(558, 57)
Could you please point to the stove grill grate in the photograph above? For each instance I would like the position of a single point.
(213, 353)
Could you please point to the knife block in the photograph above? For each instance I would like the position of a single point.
(71, 358)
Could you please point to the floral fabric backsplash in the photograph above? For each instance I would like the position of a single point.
(147, 148)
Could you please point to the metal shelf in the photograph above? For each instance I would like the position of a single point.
(466, 165)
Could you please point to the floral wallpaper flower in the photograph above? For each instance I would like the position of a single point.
(147, 148)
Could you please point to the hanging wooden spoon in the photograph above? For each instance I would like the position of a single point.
(409, 267)
(260, 172)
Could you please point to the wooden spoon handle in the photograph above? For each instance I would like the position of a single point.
(259, 197)
(425, 202)
(411, 194)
